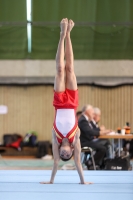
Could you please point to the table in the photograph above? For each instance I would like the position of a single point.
(119, 137)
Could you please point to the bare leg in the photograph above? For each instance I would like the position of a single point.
(71, 82)
(59, 84)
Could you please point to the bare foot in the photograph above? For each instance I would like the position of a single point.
(63, 26)
(70, 26)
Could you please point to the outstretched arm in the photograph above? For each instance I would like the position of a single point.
(77, 152)
(56, 159)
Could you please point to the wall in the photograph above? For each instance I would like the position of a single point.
(46, 68)
(30, 108)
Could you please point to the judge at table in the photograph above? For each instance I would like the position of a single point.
(88, 135)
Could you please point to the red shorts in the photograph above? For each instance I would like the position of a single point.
(66, 99)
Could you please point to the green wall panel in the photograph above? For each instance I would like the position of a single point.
(13, 39)
(13, 10)
(89, 42)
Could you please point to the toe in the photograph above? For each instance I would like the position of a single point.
(62, 21)
(66, 20)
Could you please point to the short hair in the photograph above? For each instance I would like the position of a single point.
(97, 111)
(86, 107)
(78, 113)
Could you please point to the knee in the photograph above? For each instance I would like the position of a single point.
(69, 69)
(60, 70)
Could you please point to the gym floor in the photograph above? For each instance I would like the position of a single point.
(24, 184)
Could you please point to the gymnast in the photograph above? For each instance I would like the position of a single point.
(65, 133)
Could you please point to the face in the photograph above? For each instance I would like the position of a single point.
(65, 152)
(90, 113)
(97, 117)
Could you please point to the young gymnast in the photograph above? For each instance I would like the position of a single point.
(65, 134)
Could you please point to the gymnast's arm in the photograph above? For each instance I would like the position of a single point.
(77, 152)
(56, 159)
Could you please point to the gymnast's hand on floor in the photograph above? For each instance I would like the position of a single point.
(86, 183)
(46, 182)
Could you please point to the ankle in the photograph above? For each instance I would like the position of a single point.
(62, 35)
(68, 34)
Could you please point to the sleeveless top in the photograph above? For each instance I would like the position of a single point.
(65, 124)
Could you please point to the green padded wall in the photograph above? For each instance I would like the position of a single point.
(103, 28)
(13, 39)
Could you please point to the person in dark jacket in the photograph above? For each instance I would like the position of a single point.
(105, 142)
(89, 135)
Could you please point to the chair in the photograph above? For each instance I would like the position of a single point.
(84, 154)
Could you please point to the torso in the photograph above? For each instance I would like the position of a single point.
(65, 120)
(65, 124)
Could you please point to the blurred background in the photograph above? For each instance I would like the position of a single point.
(103, 49)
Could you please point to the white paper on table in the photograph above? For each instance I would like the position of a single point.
(112, 133)
(3, 109)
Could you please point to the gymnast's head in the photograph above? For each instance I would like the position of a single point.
(66, 150)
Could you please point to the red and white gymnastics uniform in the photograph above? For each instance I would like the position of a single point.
(65, 123)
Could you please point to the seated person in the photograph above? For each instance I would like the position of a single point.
(105, 142)
(88, 135)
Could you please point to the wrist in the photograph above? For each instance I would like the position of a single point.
(51, 182)
(82, 182)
